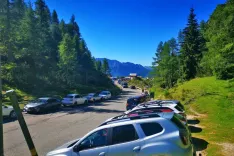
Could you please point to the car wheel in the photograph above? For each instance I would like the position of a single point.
(75, 104)
(12, 115)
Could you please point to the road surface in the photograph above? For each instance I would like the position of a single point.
(54, 129)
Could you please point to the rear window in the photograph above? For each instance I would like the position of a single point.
(178, 108)
(151, 128)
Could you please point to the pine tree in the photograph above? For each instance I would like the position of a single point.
(190, 49)
(173, 46)
(55, 19)
(56, 35)
(63, 27)
(157, 57)
(105, 67)
(98, 66)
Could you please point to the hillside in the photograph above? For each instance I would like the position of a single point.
(211, 103)
(125, 68)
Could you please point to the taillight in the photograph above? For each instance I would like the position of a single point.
(184, 137)
(166, 110)
(126, 104)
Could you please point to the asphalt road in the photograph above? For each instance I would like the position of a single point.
(56, 128)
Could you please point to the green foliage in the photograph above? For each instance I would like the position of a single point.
(42, 55)
(212, 98)
(105, 67)
(220, 34)
(167, 63)
(141, 83)
(191, 53)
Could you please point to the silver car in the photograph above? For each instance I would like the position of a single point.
(139, 135)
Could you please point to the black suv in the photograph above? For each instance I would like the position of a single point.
(134, 101)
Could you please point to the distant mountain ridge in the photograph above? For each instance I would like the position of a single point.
(125, 68)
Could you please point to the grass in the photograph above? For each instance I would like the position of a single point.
(139, 82)
(213, 98)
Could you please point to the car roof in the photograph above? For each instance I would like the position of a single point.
(105, 91)
(172, 106)
(174, 101)
(131, 119)
(71, 94)
(133, 97)
(148, 104)
(45, 98)
(128, 121)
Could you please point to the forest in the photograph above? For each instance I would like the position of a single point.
(42, 54)
(201, 49)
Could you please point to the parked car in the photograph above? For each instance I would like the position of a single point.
(125, 85)
(133, 87)
(8, 111)
(105, 95)
(42, 104)
(92, 97)
(167, 102)
(74, 99)
(161, 111)
(173, 107)
(138, 135)
(135, 100)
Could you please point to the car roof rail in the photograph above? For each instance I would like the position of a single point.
(156, 102)
(126, 118)
(152, 109)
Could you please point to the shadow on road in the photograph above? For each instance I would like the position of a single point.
(193, 121)
(97, 110)
(194, 129)
(199, 144)
(7, 120)
(126, 92)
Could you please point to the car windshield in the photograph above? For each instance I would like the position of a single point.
(40, 100)
(104, 93)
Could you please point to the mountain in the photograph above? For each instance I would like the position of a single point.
(125, 68)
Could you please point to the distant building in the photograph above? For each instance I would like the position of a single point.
(132, 75)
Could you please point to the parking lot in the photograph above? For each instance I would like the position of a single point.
(53, 129)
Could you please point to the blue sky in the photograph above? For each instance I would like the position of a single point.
(130, 30)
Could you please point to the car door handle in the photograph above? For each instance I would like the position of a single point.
(137, 149)
(102, 154)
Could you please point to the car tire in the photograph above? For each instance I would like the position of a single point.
(12, 115)
(75, 104)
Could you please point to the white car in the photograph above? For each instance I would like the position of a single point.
(105, 95)
(92, 97)
(74, 99)
(8, 111)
